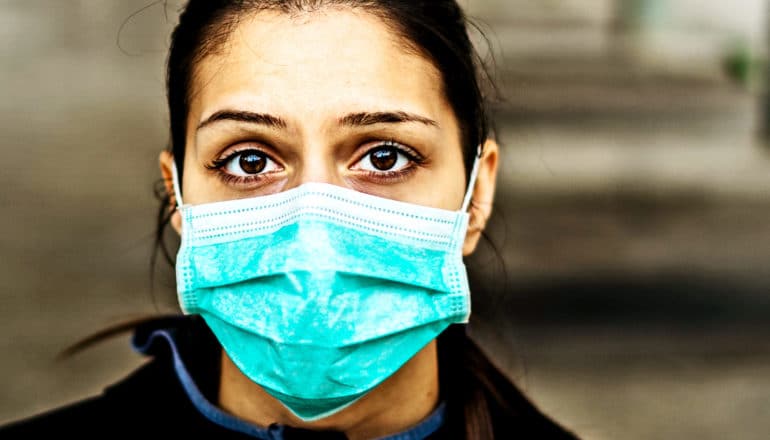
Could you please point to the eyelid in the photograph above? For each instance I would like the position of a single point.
(229, 153)
(411, 154)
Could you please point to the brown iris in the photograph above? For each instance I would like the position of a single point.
(252, 163)
(383, 158)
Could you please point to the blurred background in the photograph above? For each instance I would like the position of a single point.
(625, 285)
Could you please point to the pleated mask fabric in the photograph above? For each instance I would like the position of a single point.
(320, 293)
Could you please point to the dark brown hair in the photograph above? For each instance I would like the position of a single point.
(482, 403)
(435, 29)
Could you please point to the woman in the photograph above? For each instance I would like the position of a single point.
(329, 168)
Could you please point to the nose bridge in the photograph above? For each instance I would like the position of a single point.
(316, 163)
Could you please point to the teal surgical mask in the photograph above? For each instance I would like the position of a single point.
(320, 293)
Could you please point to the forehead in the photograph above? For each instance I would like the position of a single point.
(327, 60)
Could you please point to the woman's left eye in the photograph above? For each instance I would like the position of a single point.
(385, 158)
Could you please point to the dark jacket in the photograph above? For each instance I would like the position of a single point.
(153, 402)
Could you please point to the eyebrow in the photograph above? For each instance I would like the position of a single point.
(244, 116)
(372, 118)
(351, 120)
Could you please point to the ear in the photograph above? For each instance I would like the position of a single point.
(483, 196)
(166, 160)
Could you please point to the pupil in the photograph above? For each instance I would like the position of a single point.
(252, 163)
(384, 158)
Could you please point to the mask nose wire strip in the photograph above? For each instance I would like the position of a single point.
(177, 188)
(472, 181)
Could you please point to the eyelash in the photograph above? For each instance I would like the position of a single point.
(414, 158)
(217, 166)
(396, 176)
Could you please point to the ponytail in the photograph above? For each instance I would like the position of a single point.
(481, 402)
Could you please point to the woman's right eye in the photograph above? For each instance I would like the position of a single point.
(247, 163)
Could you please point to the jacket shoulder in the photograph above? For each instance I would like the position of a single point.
(148, 396)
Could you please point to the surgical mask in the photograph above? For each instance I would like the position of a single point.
(320, 293)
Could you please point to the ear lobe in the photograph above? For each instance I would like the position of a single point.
(483, 195)
(176, 221)
(166, 161)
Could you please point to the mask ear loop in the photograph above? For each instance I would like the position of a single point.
(471, 181)
(177, 187)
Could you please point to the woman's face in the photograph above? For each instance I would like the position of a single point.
(332, 96)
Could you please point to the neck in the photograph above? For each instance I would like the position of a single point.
(391, 407)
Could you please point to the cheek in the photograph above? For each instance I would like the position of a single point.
(196, 186)
(442, 186)
(452, 190)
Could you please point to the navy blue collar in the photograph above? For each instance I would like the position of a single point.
(274, 432)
